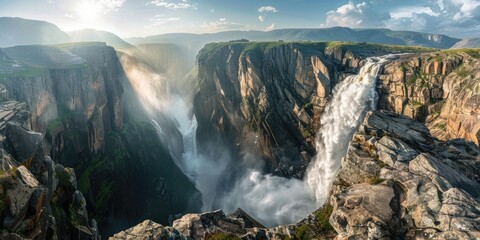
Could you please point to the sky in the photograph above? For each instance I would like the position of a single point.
(129, 18)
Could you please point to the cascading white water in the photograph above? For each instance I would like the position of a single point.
(343, 114)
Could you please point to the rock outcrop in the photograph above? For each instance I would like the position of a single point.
(439, 89)
(397, 181)
(38, 197)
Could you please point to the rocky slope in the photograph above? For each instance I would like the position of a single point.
(39, 198)
(396, 182)
(268, 97)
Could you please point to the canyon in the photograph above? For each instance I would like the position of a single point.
(130, 133)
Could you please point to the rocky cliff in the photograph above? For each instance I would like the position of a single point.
(81, 80)
(396, 182)
(441, 89)
(268, 97)
(75, 93)
(38, 198)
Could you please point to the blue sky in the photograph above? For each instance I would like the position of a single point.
(458, 18)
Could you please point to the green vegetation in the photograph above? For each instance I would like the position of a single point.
(322, 217)
(441, 126)
(321, 229)
(84, 180)
(362, 48)
(12, 68)
(104, 196)
(462, 72)
(256, 49)
(416, 104)
(473, 52)
(221, 236)
(60, 215)
(375, 180)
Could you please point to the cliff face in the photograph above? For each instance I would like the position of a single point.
(440, 89)
(39, 199)
(79, 80)
(75, 93)
(269, 96)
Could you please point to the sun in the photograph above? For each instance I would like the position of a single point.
(89, 12)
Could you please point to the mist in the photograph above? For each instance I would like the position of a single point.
(273, 200)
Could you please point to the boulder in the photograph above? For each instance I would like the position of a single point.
(148, 230)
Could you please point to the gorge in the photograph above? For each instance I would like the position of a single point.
(292, 140)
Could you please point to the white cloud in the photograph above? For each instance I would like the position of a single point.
(267, 9)
(223, 25)
(406, 12)
(270, 28)
(182, 4)
(261, 18)
(356, 15)
(160, 20)
(112, 5)
(455, 17)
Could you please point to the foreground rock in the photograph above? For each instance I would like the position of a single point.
(396, 182)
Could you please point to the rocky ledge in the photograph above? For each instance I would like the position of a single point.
(396, 182)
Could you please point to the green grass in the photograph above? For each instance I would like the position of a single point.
(322, 218)
(473, 52)
(441, 126)
(462, 72)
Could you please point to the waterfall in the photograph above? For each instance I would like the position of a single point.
(272, 199)
(204, 171)
(342, 116)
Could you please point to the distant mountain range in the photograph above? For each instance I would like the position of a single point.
(19, 31)
(383, 36)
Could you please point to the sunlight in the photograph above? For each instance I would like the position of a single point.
(89, 12)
